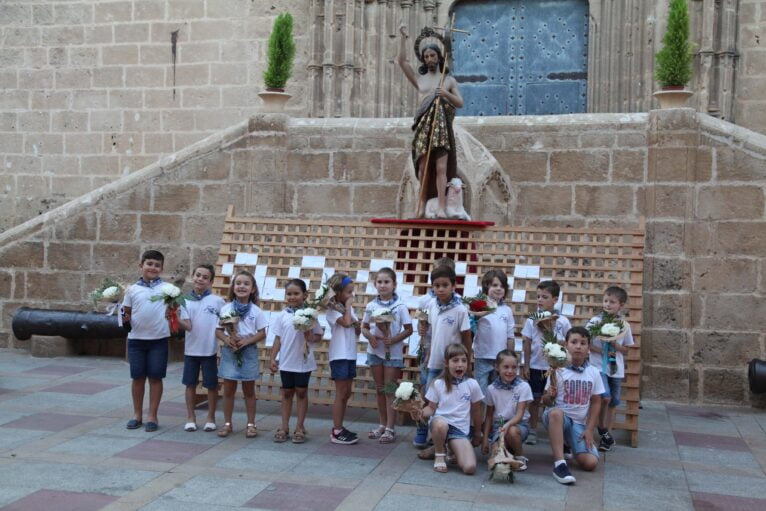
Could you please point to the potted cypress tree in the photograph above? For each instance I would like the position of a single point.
(280, 64)
(674, 60)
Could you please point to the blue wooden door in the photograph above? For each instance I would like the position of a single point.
(523, 57)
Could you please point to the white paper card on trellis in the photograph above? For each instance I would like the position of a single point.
(471, 285)
(377, 264)
(361, 359)
(526, 271)
(370, 289)
(313, 262)
(412, 302)
(362, 276)
(568, 309)
(227, 269)
(519, 295)
(246, 259)
(461, 268)
(327, 273)
(405, 291)
(399, 276)
(294, 272)
(307, 282)
(260, 271)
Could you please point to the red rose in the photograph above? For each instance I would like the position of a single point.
(478, 305)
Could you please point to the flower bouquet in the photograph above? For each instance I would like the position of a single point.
(407, 398)
(479, 305)
(322, 297)
(303, 321)
(111, 292)
(383, 317)
(229, 321)
(557, 357)
(173, 299)
(609, 330)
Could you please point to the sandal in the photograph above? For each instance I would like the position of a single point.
(299, 436)
(376, 433)
(281, 436)
(427, 454)
(439, 464)
(251, 431)
(388, 436)
(225, 430)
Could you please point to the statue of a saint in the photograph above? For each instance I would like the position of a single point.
(439, 97)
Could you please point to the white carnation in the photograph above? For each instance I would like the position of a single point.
(554, 351)
(545, 314)
(170, 290)
(111, 292)
(383, 311)
(404, 390)
(610, 330)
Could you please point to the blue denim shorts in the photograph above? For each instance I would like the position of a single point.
(523, 428)
(612, 389)
(209, 366)
(374, 360)
(342, 369)
(452, 432)
(290, 380)
(148, 358)
(248, 371)
(573, 435)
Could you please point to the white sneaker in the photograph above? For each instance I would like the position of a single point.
(210, 426)
(190, 426)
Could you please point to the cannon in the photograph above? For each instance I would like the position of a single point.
(756, 374)
(27, 322)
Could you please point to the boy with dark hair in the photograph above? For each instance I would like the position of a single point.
(147, 340)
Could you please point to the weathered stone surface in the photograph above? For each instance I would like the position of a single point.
(725, 349)
(659, 346)
(725, 275)
(660, 382)
(607, 200)
(523, 165)
(742, 312)
(579, 166)
(175, 198)
(356, 166)
(667, 201)
(730, 202)
(6, 283)
(69, 256)
(629, 165)
(664, 238)
(25, 254)
(744, 238)
(56, 287)
(669, 164)
(375, 199)
(302, 167)
(49, 346)
(114, 259)
(669, 274)
(328, 199)
(724, 385)
(546, 200)
(733, 164)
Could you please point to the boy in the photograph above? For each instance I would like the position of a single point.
(147, 340)
(614, 301)
(573, 394)
(534, 363)
(200, 318)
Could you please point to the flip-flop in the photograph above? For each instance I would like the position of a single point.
(134, 424)
(210, 426)
(190, 427)
(151, 427)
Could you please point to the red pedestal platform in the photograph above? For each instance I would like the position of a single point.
(431, 222)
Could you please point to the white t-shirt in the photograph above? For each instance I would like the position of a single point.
(343, 339)
(506, 401)
(445, 329)
(493, 332)
(597, 359)
(575, 390)
(147, 318)
(254, 322)
(530, 330)
(200, 340)
(401, 317)
(455, 407)
(292, 345)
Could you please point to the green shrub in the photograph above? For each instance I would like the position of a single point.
(281, 53)
(674, 60)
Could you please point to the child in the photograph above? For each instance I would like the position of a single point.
(507, 399)
(344, 326)
(534, 363)
(454, 406)
(573, 395)
(296, 361)
(200, 318)
(239, 355)
(421, 436)
(147, 340)
(494, 332)
(384, 349)
(614, 301)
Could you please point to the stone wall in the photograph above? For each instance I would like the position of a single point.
(698, 181)
(750, 96)
(94, 90)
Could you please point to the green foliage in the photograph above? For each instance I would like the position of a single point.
(281, 53)
(674, 60)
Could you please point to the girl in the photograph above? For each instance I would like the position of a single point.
(494, 332)
(453, 404)
(239, 355)
(507, 400)
(344, 326)
(296, 361)
(384, 348)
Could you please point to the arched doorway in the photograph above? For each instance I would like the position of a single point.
(523, 57)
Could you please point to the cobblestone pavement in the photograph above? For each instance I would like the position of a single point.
(64, 446)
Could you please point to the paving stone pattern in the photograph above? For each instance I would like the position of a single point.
(78, 457)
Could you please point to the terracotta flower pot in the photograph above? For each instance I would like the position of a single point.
(274, 100)
(673, 97)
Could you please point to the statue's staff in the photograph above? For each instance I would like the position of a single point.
(424, 175)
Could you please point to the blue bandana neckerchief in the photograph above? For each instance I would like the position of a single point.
(200, 296)
(500, 385)
(580, 369)
(454, 302)
(458, 381)
(291, 310)
(243, 309)
(389, 303)
(154, 283)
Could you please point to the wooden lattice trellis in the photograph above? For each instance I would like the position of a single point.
(583, 261)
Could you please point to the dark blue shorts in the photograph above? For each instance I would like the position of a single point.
(148, 358)
(290, 380)
(537, 382)
(342, 369)
(209, 366)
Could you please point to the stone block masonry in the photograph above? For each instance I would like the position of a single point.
(699, 183)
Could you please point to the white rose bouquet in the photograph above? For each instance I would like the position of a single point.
(407, 398)
(303, 321)
(322, 297)
(173, 299)
(556, 356)
(110, 292)
(609, 329)
(229, 321)
(546, 322)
